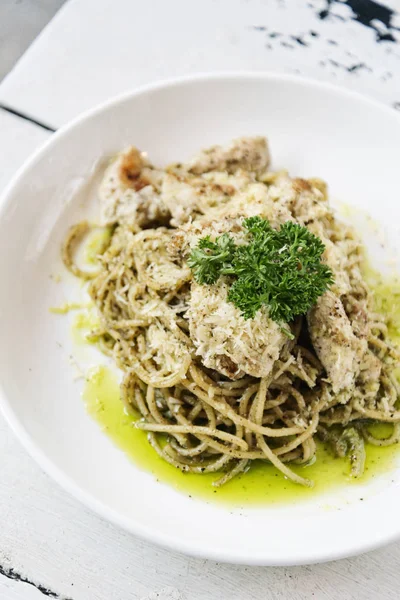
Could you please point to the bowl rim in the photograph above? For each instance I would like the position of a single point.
(235, 556)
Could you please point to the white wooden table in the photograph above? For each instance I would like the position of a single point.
(50, 546)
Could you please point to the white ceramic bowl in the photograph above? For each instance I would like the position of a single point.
(314, 129)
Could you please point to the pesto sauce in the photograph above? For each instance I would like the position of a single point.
(97, 242)
(262, 484)
(387, 302)
(67, 307)
(84, 322)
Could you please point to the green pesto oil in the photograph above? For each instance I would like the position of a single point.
(84, 322)
(97, 242)
(386, 296)
(262, 483)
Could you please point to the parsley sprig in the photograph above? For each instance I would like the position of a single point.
(280, 269)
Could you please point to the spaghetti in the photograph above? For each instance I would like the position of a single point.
(198, 418)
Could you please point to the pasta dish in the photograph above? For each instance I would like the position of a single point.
(234, 302)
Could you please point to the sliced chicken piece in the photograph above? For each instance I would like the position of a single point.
(181, 198)
(237, 181)
(335, 343)
(249, 153)
(370, 372)
(305, 202)
(357, 311)
(320, 185)
(129, 192)
(337, 261)
(225, 341)
(303, 198)
(254, 200)
(130, 165)
(228, 218)
(335, 258)
(187, 197)
(187, 237)
(156, 268)
(310, 202)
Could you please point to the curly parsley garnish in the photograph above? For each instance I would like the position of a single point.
(280, 269)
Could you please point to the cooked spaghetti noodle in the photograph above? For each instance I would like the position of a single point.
(216, 392)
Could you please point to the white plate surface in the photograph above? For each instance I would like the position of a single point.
(314, 130)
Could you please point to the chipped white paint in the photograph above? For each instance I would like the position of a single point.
(94, 49)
